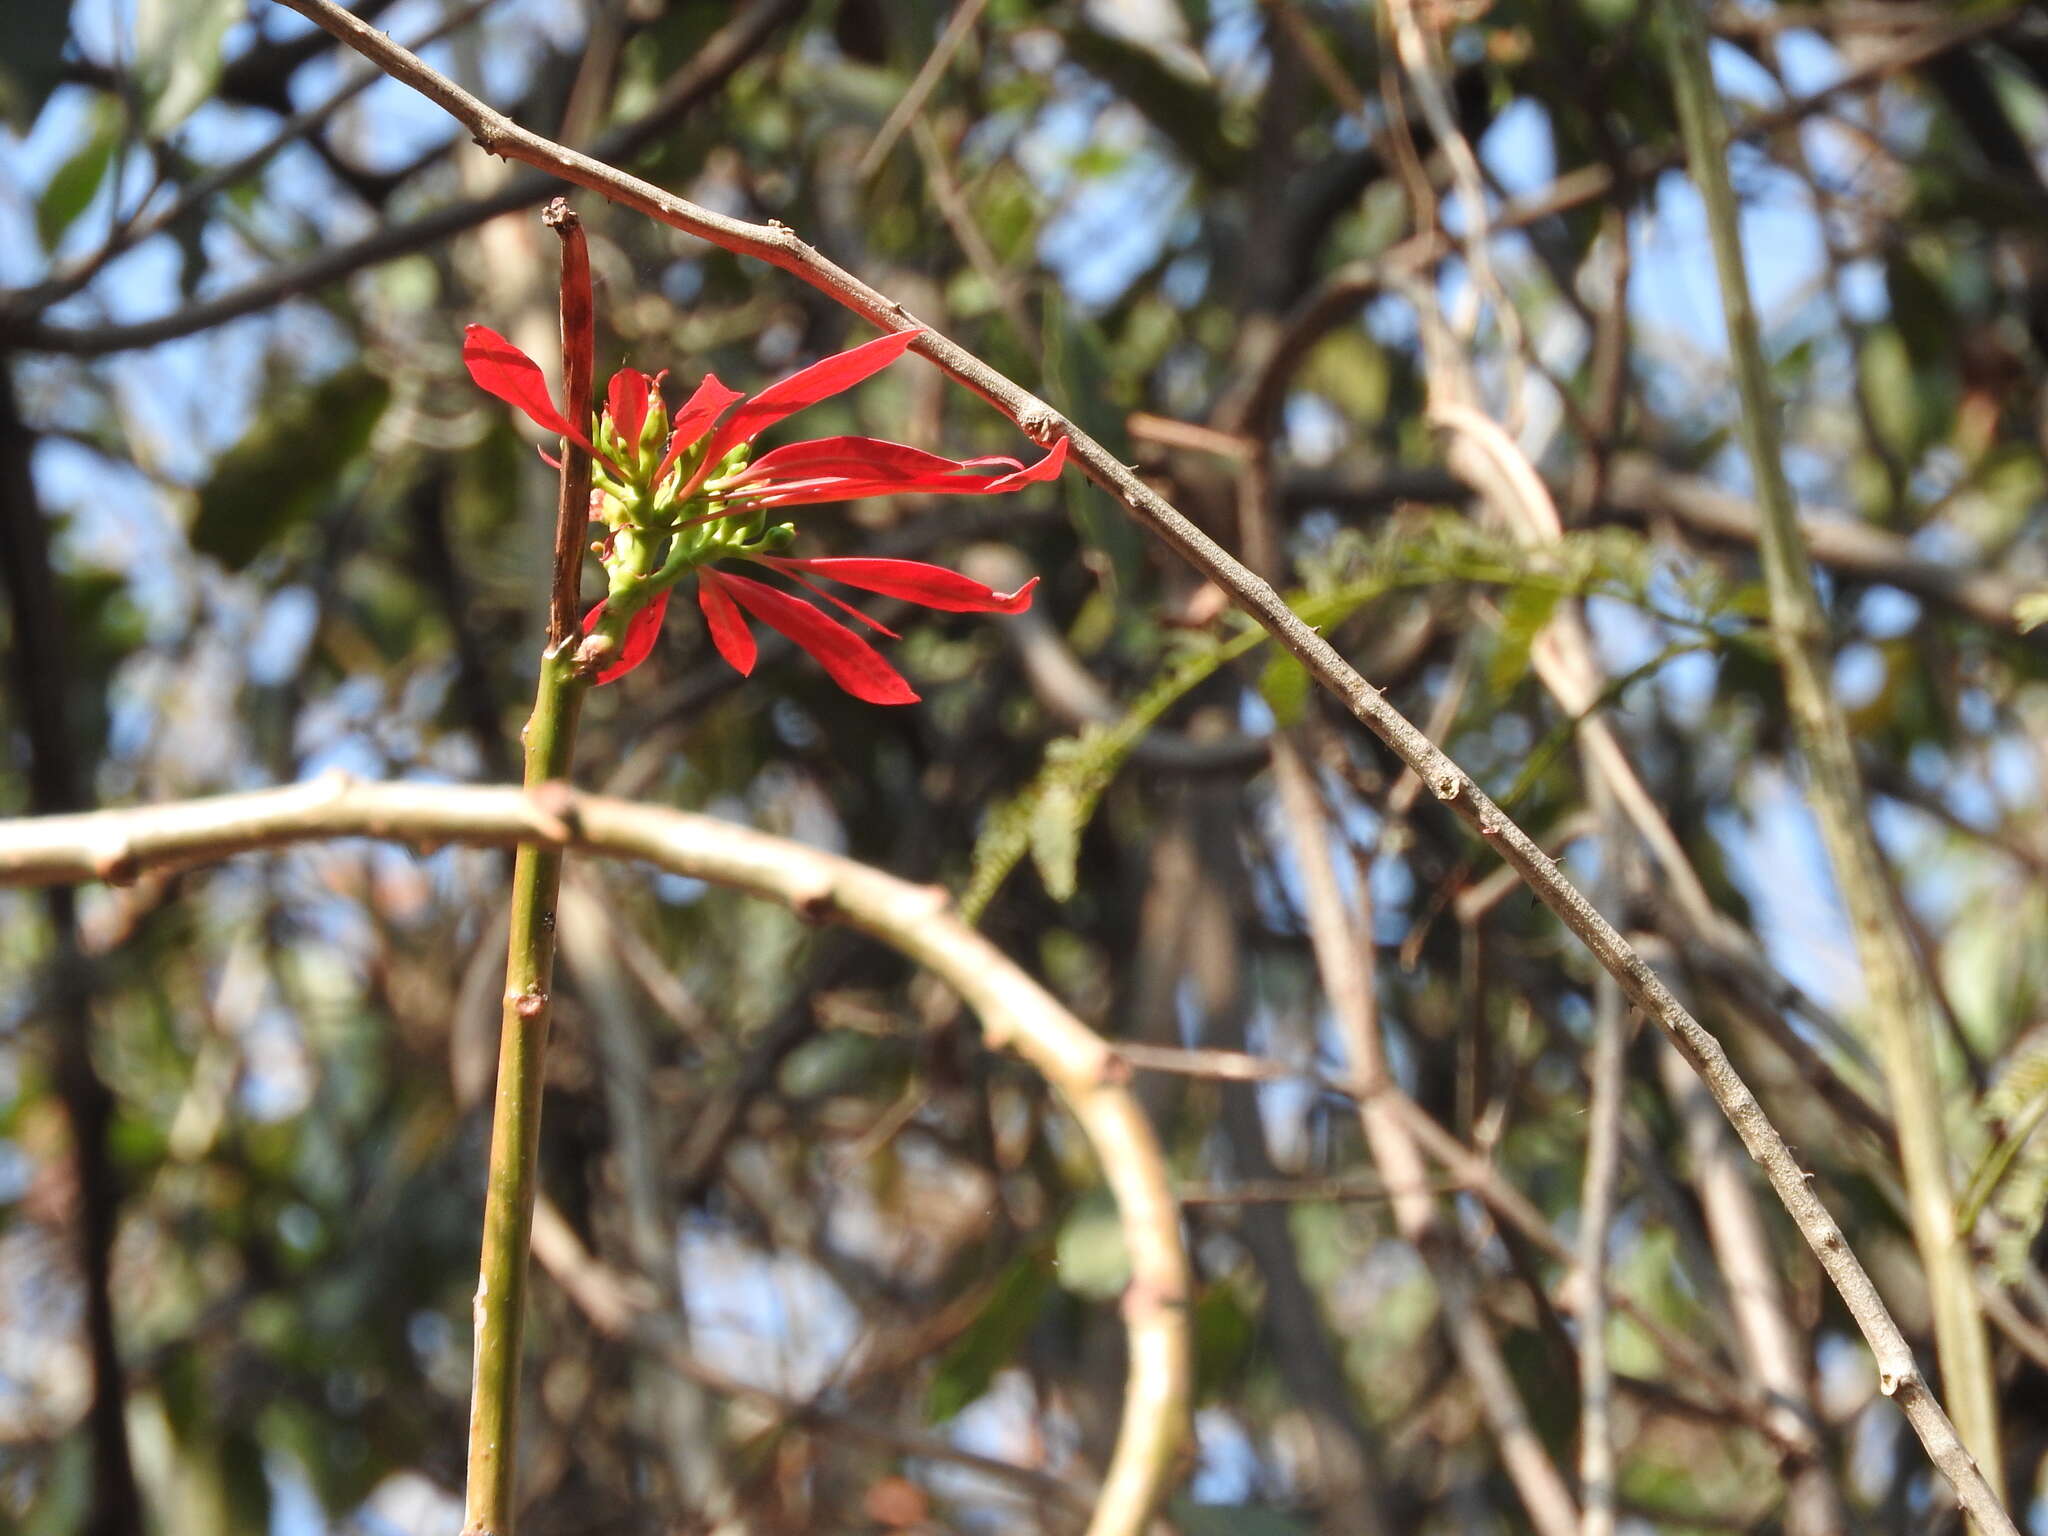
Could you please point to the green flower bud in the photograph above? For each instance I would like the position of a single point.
(654, 435)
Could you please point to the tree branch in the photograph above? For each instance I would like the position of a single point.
(1901, 997)
(1016, 1013)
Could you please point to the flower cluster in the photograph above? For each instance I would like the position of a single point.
(677, 494)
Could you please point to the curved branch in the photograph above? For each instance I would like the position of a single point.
(1016, 1013)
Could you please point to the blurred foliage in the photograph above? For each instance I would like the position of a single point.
(293, 537)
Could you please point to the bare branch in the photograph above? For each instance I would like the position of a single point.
(1016, 1013)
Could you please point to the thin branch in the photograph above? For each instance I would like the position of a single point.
(194, 195)
(737, 41)
(1016, 1013)
(1901, 1002)
(41, 680)
(1344, 958)
(708, 69)
(491, 1505)
(572, 505)
(620, 1306)
(912, 101)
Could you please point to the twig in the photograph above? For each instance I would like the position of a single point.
(619, 1307)
(491, 1505)
(37, 658)
(1598, 1484)
(735, 42)
(1776, 1355)
(63, 284)
(1900, 999)
(912, 101)
(722, 53)
(1016, 1013)
(572, 504)
(1344, 957)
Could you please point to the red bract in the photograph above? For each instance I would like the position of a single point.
(728, 600)
(501, 369)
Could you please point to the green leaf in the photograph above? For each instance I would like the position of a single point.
(285, 466)
(1892, 389)
(73, 184)
(1524, 612)
(990, 1342)
(1284, 685)
(1226, 1332)
(178, 54)
(1093, 1261)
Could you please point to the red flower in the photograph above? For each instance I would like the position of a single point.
(714, 506)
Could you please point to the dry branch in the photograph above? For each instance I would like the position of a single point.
(1016, 1013)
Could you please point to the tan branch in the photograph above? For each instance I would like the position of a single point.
(1016, 1013)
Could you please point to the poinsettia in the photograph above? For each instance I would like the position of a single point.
(679, 493)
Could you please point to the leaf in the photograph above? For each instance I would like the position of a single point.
(1092, 1260)
(1226, 1333)
(285, 466)
(1524, 612)
(990, 1341)
(1284, 685)
(178, 51)
(1889, 384)
(72, 185)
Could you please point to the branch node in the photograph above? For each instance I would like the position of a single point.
(530, 1003)
(114, 861)
(1040, 422)
(593, 651)
(817, 905)
(1448, 785)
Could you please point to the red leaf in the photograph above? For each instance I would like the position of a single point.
(853, 487)
(929, 586)
(627, 400)
(864, 458)
(727, 627)
(501, 369)
(693, 421)
(836, 601)
(847, 659)
(807, 387)
(641, 630)
(1047, 468)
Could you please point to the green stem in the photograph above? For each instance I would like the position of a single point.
(550, 737)
(1901, 1001)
